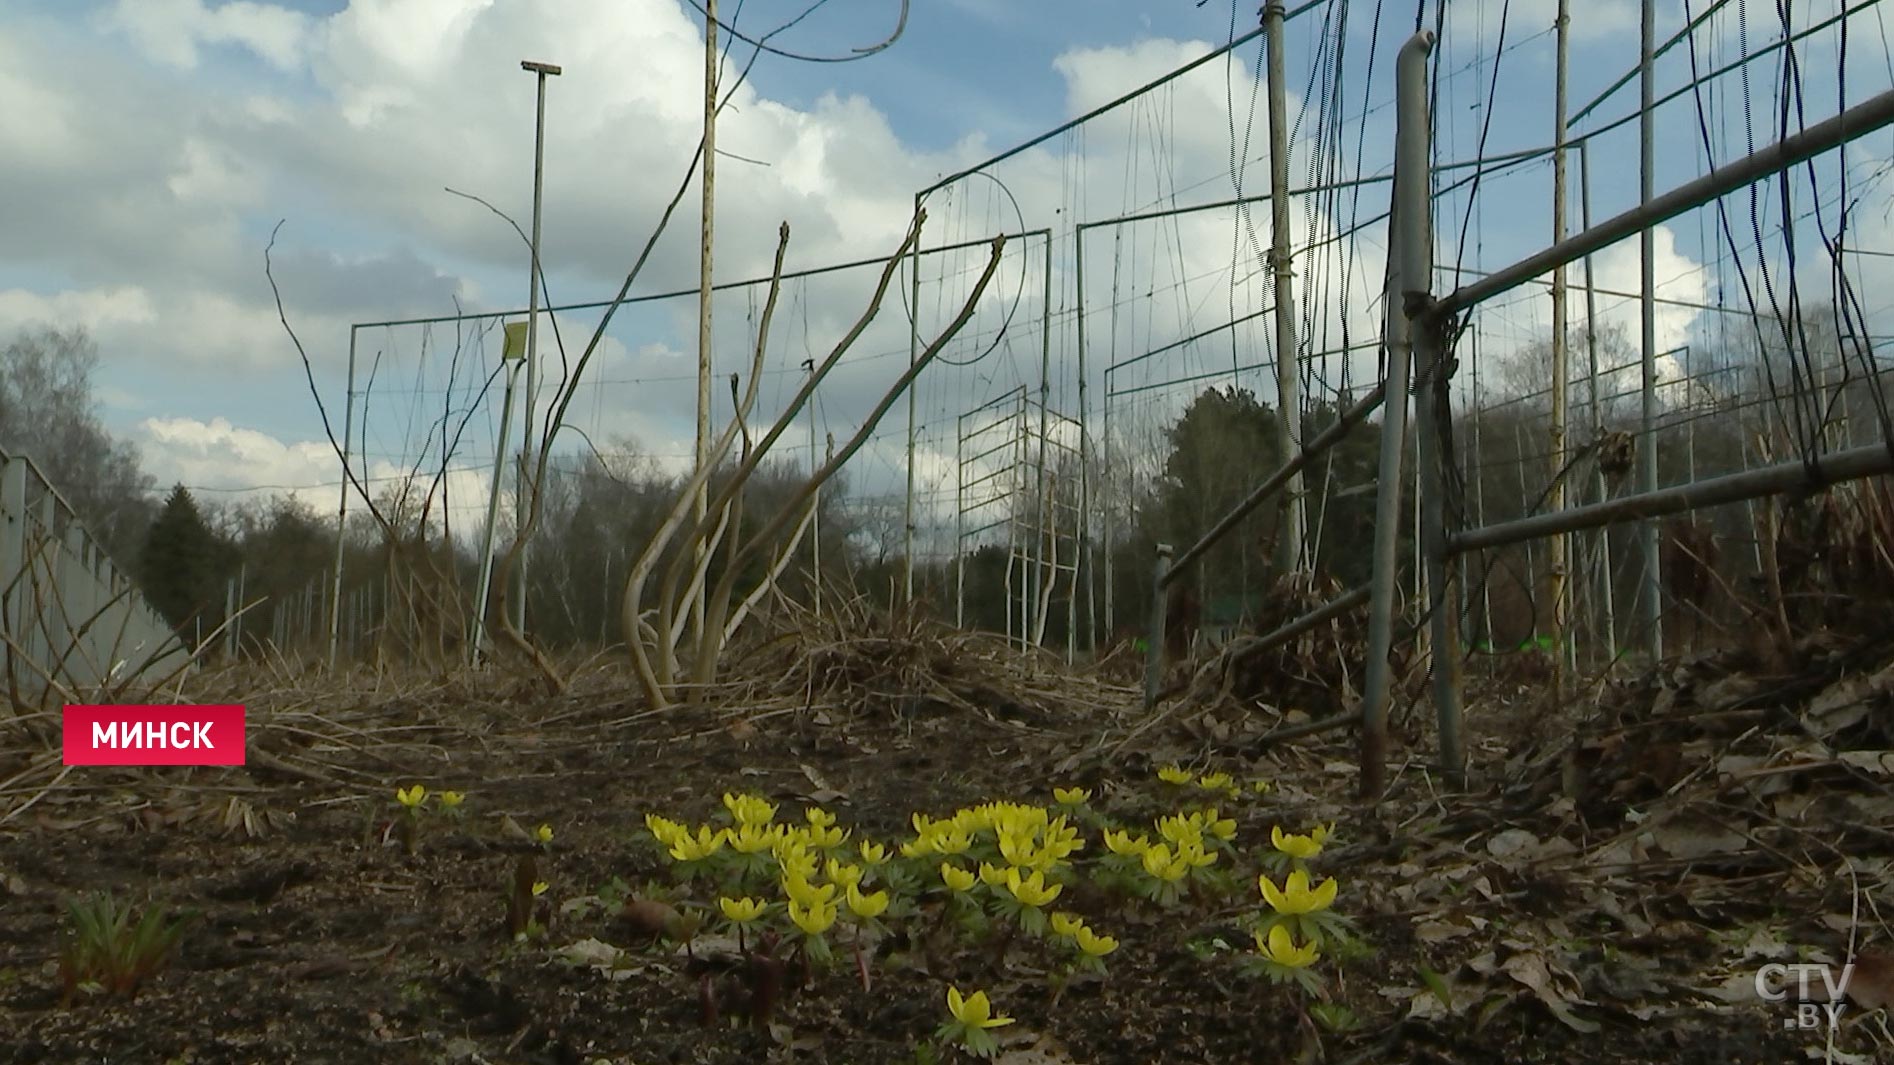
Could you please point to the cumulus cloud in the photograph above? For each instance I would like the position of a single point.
(172, 31)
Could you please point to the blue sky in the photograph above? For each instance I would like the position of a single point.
(154, 144)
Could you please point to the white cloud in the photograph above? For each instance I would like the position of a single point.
(96, 309)
(172, 31)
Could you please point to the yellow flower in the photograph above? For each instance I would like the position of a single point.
(993, 876)
(1017, 848)
(1161, 866)
(807, 894)
(1260, 787)
(873, 853)
(956, 878)
(543, 834)
(1224, 828)
(451, 799)
(796, 860)
(814, 920)
(1302, 847)
(1123, 842)
(866, 906)
(1296, 897)
(844, 874)
(1280, 947)
(919, 847)
(1032, 890)
(743, 910)
(818, 817)
(539, 888)
(1191, 854)
(1215, 782)
(686, 848)
(1066, 924)
(1174, 774)
(411, 797)
(1070, 796)
(950, 841)
(749, 809)
(974, 1010)
(663, 829)
(752, 838)
(1094, 944)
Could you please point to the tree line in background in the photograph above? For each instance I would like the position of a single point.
(188, 553)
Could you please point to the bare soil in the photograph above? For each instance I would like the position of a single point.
(1617, 926)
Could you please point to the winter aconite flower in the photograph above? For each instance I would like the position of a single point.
(542, 835)
(1066, 924)
(873, 853)
(1296, 897)
(813, 920)
(866, 906)
(1032, 890)
(411, 797)
(741, 911)
(451, 799)
(1279, 946)
(1121, 841)
(1070, 796)
(1301, 848)
(540, 887)
(1174, 774)
(973, 1010)
(1093, 944)
(956, 878)
(685, 847)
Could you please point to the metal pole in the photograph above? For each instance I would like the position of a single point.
(1555, 582)
(1083, 562)
(960, 522)
(1603, 546)
(914, 354)
(1410, 258)
(1650, 596)
(493, 516)
(815, 501)
(1290, 532)
(1430, 411)
(1858, 121)
(342, 508)
(1043, 581)
(1154, 652)
(1868, 461)
(529, 446)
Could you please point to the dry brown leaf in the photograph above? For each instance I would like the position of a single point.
(1531, 969)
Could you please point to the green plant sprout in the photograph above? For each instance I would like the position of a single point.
(104, 949)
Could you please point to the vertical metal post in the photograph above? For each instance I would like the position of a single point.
(960, 522)
(1154, 651)
(1652, 592)
(1043, 581)
(1555, 577)
(815, 501)
(914, 354)
(477, 645)
(1430, 410)
(1082, 563)
(1410, 257)
(1603, 546)
(528, 446)
(1288, 377)
(342, 508)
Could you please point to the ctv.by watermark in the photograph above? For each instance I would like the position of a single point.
(1819, 991)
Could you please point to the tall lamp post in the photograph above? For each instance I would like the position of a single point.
(520, 506)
